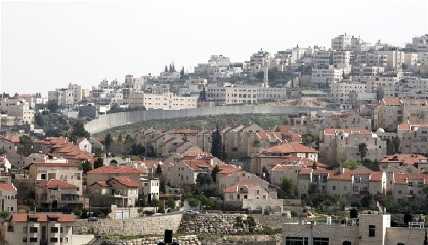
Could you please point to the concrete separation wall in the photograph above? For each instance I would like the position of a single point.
(109, 121)
(152, 225)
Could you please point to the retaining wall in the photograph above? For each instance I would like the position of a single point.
(152, 225)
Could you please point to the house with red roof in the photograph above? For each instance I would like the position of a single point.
(57, 183)
(9, 144)
(186, 171)
(411, 163)
(58, 194)
(61, 147)
(267, 158)
(413, 138)
(406, 186)
(122, 190)
(289, 168)
(250, 195)
(8, 202)
(107, 172)
(41, 228)
(247, 141)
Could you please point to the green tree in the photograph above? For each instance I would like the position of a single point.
(137, 150)
(78, 131)
(288, 188)
(25, 146)
(214, 173)
(158, 170)
(362, 150)
(217, 146)
(98, 162)
(53, 106)
(85, 166)
(108, 141)
(120, 139)
(350, 164)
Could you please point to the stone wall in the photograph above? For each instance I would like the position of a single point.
(274, 221)
(112, 120)
(152, 225)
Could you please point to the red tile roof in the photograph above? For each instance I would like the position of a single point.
(56, 184)
(12, 138)
(42, 217)
(126, 181)
(293, 147)
(7, 187)
(407, 159)
(392, 101)
(116, 170)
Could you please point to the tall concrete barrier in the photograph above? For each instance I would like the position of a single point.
(108, 121)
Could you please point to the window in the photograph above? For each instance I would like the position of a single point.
(321, 241)
(400, 243)
(346, 243)
(296, 241)
(54, 239)
(33, 229)
(10, 228)
(372, 230)
(33, 239)
(54, 229)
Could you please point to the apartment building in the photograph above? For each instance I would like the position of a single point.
(370, 227)
(269, 157)
(388, 114)
(324, 78)
(169, 101)
(19, 109)
(413, 138)
(122, 191)
(39, 228)
(58, 184)
(339, 145)
(71, 95)
(259, 61)
(244, 94)
(8, 202)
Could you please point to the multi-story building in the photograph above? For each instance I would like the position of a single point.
(122, 190)
(259, 61)
(413, 138)
(66, 96)
(370, 227)
(8, 202)
(269, 157)
(419, 43)
(346, 92)
(342, 59)
(244, 94)
(388, 114)
(107, 172)
(19, 109)
(321, 59)
(58, 184)
(169, 101)
(339, 145)
(324, 78)
(40, 228)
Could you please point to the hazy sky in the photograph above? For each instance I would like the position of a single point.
(51, 43)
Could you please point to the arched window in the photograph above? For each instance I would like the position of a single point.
(346, 243)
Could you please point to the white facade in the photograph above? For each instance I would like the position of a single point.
(169, 101)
